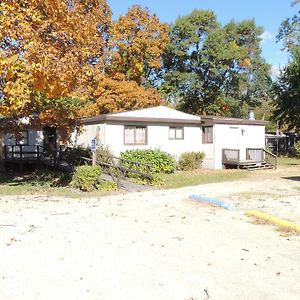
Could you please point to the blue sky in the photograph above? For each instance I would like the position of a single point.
(268, 13)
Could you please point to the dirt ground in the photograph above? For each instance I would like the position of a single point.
(154, 244)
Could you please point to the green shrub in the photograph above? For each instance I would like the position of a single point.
(107, 186)
(104, 154)
(159, 161)
(73, 156)
(190, 160)
(297, 149)
(86, 178)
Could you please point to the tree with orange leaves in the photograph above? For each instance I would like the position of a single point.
(46, 47)
(137, 42)
(53, 53)
(116, 93)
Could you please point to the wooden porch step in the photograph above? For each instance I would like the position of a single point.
(256, 166)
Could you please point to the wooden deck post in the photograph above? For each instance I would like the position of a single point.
(94, 159)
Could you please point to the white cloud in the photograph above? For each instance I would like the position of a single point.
(267, 35)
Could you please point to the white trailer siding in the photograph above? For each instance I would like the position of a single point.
(236, 137)
(157, 137)
(89, 132)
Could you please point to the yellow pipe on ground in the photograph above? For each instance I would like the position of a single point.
(274, 220)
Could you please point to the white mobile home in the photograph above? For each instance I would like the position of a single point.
(174, 132)
(225, 141)
(158, 127)
(241, 136)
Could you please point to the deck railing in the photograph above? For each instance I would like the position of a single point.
(23, 152)
(255, 154)
(270, 158)
(230, 155)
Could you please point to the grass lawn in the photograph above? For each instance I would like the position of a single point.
(189, 178)
(287, 161)
(21, 189)
(50, 184)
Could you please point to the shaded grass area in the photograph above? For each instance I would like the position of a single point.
(49, 183)
(288, 161)
(188, 178)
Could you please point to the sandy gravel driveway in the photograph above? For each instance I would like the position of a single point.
(151, 245)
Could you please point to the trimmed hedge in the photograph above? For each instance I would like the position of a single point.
(160, 161)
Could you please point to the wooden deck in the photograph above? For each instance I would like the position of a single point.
(34, 155)
(256, 158)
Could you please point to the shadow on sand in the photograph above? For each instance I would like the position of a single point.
(294, 178)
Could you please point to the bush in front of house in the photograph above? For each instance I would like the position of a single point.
(297, 149)
(159, 161)
(86, 178)
(104, 154)
(73, 156)
(106, 186)
(190, 160)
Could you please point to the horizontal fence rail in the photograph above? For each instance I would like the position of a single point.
(23, 152)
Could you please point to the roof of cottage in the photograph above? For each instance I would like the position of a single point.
(158, 114)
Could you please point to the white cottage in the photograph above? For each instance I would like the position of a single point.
(225, 141)
(158, 127)
(222, 139)
(240, 139)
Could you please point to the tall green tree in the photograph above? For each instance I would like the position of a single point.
(289, 32)
(210, 69)
(287, 89)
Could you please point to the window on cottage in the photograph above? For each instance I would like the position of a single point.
(23, 139)
(207, 135)
(135, 135)
(176, 133)
(19, 139)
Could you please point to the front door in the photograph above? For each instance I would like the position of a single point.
(50, 139)
(234, 135)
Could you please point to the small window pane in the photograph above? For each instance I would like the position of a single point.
(24, 138)
(175, 133)
(172, 132)
(179, 133)
(140, 135)
(135, 135)
(129, 135)
(207, 135)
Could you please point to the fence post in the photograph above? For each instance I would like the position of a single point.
(21, 152)
(94, 160)
(118, 176)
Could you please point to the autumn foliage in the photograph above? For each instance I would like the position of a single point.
(113, 94)
(137, 42)
(60, 59)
